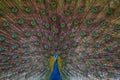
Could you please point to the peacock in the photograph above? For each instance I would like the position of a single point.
(59, 39)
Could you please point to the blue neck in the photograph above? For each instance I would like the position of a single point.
(55, 74)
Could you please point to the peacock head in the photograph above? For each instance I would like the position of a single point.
(56, 56)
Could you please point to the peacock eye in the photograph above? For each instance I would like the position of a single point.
(89, 21)
(46, 55)
(15, 35)
(80, 59)
(25, 45)
(56, 31)
(21, 22)
(6, 24)
(27, 52)
(39, 34)
(92, 62)
(40, 1)
(95, 34)
(2, 48)
(107, 57)
(101, 65)
(15, 56)
(67, 12)
(29, 60)
(62, 25)
(97, 45)
(63, 55)
(74, 44)
(82, 34)
(116, 27)
(53, 4)
(85, 44)
(76, 22)
(110, 48)
(110, 73)
(55, 44)
(15, 46)
(37, 43)
(96, 73)
(102, 23)
(107, 37)
(28, 10)
(4, 59)
(72, 53)
(94, 10)
(64, 47)
(43, 12)
(95, 55)
(47, 25)
(2, 38)
(33, 23)
(54, 18)
(1, 12)
(61, 39)
(116, 65)
(46, 47)
(109, 11)
(81, 10)
(68, 1)
(72, 35)
(46, 63)
(83, 73)
(36, 52)
(28, 34)
(14, 10)
(50, 38)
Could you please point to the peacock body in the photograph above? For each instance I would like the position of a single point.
(59, 39)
